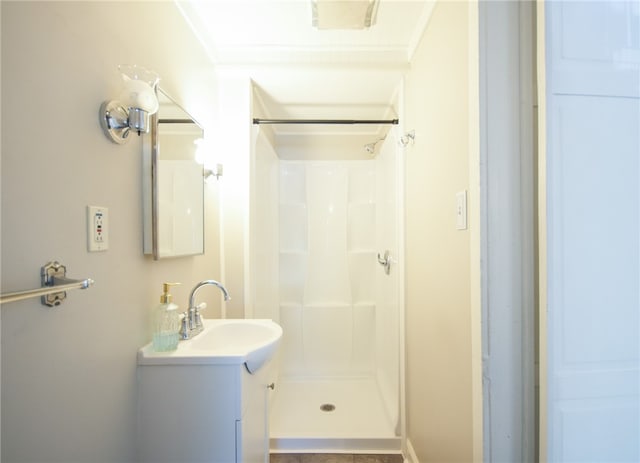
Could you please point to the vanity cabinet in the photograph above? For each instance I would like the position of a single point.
(202, 413)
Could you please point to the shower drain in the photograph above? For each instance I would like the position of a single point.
(327, 407)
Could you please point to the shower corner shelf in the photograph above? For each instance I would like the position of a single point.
(289, 304)
(364, 303)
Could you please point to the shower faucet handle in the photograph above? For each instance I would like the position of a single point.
(385, 261)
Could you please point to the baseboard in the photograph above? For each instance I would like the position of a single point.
(409, 453)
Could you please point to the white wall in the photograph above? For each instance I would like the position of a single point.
(233, 137)
(441, 273)
(68, 389)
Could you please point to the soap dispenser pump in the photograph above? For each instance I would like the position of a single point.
(166, 330)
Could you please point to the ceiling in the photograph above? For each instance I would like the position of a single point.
(302, 72)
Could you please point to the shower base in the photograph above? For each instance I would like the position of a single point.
(303, 417)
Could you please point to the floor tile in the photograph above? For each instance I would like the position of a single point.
(378, 459)
(285, 458)
(327, 458)
(334, 458)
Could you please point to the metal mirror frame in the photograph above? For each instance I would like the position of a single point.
(150, 182)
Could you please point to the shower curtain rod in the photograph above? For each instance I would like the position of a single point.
(325, 121)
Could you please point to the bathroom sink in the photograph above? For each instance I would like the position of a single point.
(251, 342)
(257, 338)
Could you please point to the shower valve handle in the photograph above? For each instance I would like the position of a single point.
(385, 261)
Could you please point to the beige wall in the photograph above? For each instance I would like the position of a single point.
(68, 374)
(233, 141)
(439, 278)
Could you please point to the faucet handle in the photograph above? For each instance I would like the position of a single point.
(184, 325)
(201, 306)
(197, 317)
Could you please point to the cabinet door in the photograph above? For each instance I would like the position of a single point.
(253, 429)
(187, 413)
(251, 438)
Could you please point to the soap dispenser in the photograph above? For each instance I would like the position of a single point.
(166, 330)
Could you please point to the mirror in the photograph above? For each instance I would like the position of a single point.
(173, 183)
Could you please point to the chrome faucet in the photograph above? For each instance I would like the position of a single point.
(192, 321)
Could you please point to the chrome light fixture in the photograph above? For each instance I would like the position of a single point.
(210, 168)
(215, 172)
(134, 105)
(343, 14)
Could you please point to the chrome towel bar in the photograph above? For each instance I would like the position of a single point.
(54, 286)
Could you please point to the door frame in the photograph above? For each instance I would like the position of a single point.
(508, 221)
(541, 230)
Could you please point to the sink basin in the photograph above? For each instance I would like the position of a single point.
(251, 342)
(260, 340)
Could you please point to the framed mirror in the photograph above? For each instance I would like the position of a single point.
(173, 183)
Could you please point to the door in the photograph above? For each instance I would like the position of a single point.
(592, 231)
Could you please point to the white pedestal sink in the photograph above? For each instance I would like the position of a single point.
(207, 400)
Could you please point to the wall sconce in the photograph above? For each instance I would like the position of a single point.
(215, 172)
(203, 157)
(407, 139)
(134, 105)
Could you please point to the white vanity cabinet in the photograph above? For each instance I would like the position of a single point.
(202, 413)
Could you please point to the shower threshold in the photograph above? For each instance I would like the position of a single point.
(331, 415)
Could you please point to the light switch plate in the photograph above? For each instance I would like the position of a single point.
(97, 228)
(461, 210)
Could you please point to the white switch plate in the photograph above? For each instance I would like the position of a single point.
(97, 228)
(461, 210)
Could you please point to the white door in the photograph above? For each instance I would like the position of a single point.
(593, 233)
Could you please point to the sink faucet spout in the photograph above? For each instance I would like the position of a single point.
(192, 322)
(195, 289)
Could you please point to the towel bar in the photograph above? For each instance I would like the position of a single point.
(54, 286)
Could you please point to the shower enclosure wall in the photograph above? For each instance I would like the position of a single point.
(317, 229)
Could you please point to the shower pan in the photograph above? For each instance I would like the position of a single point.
(319, 231)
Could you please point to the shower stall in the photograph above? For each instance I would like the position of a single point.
(321, 233)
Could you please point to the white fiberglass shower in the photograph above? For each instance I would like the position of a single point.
(318, 231)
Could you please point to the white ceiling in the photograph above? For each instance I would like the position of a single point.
(303, 72)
